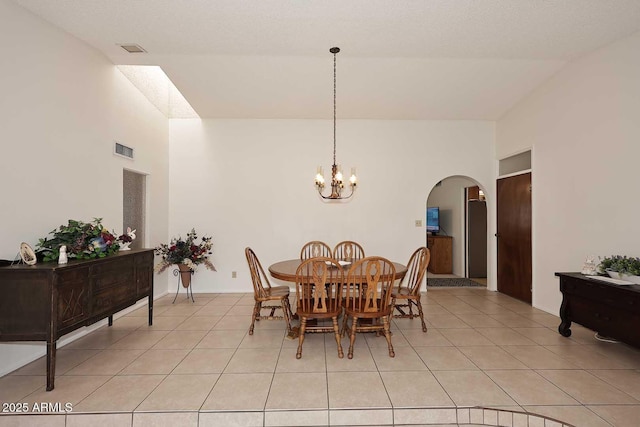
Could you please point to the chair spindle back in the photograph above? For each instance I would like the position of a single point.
(315, 249)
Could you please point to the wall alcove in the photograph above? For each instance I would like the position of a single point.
(459, 247)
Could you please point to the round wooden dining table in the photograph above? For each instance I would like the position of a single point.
(286, 270)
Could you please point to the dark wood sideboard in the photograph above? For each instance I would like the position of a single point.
(441, 248)
(45, 301)
(609, 309)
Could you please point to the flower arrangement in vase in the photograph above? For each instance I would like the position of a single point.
(126, 239)
(185, 251)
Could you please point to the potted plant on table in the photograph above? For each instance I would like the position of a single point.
(621, 267)
(81, 241)
(186, 254)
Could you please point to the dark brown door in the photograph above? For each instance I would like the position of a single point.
(514, 236)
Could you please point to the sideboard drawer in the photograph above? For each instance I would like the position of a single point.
(601, 318)
(104, 300)
(613, 296)
(145, 258)
(111, 274)
(74, 275)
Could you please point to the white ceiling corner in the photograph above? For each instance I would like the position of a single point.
(159, 90)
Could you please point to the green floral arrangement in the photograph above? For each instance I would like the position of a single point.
(620, 264)
(185, 251)
(83, 241)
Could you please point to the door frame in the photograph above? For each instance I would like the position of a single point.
(490, 206)
(147, 201)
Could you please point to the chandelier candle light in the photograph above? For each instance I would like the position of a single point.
(337, 183)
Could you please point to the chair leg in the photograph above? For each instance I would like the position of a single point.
(400, 310)
(410, 309)
(303, 326)
(336, 330)
(343, 330)
(424, 326)
(291, 315)
(255, 316)
(286, 312)
(352, 337)
(387, 335)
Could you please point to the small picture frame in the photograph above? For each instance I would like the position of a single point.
(27, 254)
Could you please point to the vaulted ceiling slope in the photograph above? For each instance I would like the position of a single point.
(400, 59)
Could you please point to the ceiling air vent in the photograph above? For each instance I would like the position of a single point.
(133, 48)
(123, 150)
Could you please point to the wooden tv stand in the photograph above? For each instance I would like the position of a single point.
(441, 248)
(45, 301)
(611, 310)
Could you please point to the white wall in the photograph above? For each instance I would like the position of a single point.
(250, 183)
(450, 198)
(62, 106)
(584, 128)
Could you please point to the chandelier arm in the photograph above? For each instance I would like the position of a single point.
(330, 197)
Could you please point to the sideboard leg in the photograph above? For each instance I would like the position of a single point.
(565, 325)
(51, 365)
(564, 328)
(151, 307)
(111, 320)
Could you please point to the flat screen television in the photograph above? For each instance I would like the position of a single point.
(433, 220)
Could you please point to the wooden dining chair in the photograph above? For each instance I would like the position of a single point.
(348, 251)
(315, 249)
(368, 296)
(318, 296)
(264, 293)
(408, 291)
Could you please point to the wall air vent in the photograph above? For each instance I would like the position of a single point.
(133, 48)
(123, 150)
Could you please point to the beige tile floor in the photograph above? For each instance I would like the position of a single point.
(198, 366)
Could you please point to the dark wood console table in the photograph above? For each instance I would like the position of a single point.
(611, 310)
(441, 248)
(45, 301)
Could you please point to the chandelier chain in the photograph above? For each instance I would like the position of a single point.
(334, 108)
(337, 179)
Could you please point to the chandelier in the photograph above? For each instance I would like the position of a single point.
(337, 183)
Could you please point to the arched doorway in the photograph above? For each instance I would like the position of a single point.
(458, 238)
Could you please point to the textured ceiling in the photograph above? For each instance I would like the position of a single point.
(400, 59)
